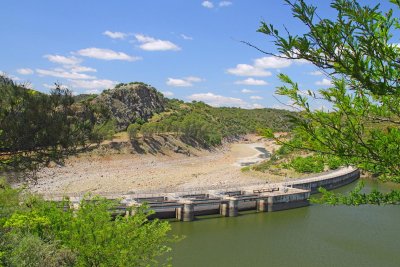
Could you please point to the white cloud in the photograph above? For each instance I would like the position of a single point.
(247, 91)
(92, 91)
(252, 81)
(25, 71)
(324, 82)
(82, 69)
(151, 44)
(248, 70)
(218, 100)
(193, 79)
(255, 105)
(115, 35)
(178, 82)
(316, 73)
(256, 97)
(63, 60)
(259, 66)
(167, 93)
(61, 73)
(70, 63)
(105, 54)
(185, 37)
(272, 62)
(225, 3)
(93, 84)
(207, 4)
(184, 82)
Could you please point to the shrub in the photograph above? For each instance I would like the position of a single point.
(334, 162)
(41, 233)
(310, 164)
(104, 131)
(133, 130)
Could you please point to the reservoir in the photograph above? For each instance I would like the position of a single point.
(317, 235)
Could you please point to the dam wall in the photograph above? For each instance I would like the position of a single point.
(329, 182)
(228, 202)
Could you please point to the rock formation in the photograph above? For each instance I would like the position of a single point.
(129, 102)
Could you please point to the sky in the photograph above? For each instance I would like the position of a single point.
(187, 49)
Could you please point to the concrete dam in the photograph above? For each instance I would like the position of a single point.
(185, 206)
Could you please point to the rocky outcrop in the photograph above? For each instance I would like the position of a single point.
(127, 103)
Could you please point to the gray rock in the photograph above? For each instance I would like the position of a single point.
(130, 102)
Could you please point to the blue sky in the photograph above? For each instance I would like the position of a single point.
(189, 50)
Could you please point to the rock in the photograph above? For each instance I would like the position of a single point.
(130, 102)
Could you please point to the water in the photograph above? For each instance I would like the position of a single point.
(312, 236)
(264, 154)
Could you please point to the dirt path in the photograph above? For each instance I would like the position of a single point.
(130, 173)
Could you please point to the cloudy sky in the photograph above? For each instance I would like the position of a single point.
(189, 50)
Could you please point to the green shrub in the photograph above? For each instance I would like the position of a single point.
(42, 233)
(133, 130)
(103, 131)
(309, 164)
(334, 162)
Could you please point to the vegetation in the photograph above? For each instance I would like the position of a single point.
(37, 128)
(357, 52)
(34, 232)
(356, 197)
(309, 164)
(200, 123)
(133, 130)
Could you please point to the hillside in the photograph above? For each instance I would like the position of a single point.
(149, 113)
(200, 124)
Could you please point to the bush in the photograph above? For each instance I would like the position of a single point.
(133, 130)
(104, 131)
(334, 162)
(310, 164)
(41, 233)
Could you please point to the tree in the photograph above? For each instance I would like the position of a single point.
(36, 128)
(358, 53)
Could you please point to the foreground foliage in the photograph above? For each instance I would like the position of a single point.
(356, 197)
(358, 53)
(34, 232)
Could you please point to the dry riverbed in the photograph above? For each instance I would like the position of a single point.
(119, 173)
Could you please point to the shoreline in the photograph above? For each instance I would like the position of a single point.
(126, 172)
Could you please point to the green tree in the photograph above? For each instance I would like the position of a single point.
(358, 53)
(36, 128)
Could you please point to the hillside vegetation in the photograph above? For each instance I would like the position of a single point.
(199, 123)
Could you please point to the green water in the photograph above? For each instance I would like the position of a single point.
(312, 236)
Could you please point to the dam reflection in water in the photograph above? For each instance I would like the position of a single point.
(313, 236)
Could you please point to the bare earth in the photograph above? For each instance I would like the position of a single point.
(121, 173)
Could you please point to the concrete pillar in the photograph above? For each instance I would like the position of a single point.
(233, 208)
(262, 205)
(223, 209)
(178, 213)
(270, 204)
(188, 212)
